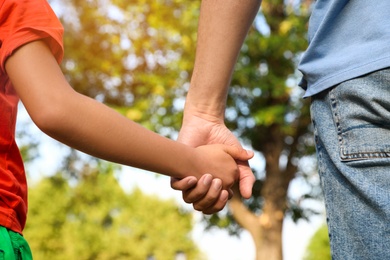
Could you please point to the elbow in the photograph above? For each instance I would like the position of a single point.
(51, 114)
(48, 119)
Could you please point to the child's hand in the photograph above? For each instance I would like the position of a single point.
(219, 161)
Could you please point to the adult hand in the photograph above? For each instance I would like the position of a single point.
(223, 26)
(200, 130)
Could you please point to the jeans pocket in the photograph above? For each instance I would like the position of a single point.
(361, 112)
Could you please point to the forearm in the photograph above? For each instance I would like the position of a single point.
(86, 124)
(118, 138)
(223, 26)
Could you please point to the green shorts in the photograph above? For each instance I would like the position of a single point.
(13, 246)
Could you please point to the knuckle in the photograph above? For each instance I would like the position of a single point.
(173, 186)
(211, 210)
(206, 212)
(210, 199)
(192, 196)
(187, 198)
(197, 207)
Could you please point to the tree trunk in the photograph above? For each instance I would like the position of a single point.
(266, 225)
(265, 229)
(271, 223)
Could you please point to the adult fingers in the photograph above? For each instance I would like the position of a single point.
(238, 153)
(246, 179)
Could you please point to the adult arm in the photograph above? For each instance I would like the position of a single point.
(223, 26)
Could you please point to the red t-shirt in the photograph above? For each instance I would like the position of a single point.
(21, 22)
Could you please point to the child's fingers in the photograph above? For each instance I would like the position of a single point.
(214, 200)
(183, 184)
(219, 204)
(198, 192)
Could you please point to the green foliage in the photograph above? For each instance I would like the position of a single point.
(222, 221)
(319, 247)
(260, 93)
(265, 106)
(135, 55)
(96, 219)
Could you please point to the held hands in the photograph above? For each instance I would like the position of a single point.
(219, 161)
(205, 195)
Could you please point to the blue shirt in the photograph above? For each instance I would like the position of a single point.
(347, 39)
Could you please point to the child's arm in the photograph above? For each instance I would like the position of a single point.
(93, 128)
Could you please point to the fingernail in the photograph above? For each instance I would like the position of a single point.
(217, 184)
(224, 196)
(250, 152)
(207, 179)
(191, 182)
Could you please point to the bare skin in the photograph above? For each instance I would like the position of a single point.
(223, 26)
(91, 127)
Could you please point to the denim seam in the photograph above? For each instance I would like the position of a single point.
(336, 119)
(345, 154)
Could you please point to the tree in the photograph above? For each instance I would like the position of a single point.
(95, 219)
(266, 110)
(132, 55)
(140, 53)
(319, 247)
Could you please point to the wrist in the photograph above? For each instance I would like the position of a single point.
(198, 163)
(187, 163)
(205, 99)
(213, 113)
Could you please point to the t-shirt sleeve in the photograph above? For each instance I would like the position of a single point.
(24, 21)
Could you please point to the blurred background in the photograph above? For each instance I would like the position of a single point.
(136, 56)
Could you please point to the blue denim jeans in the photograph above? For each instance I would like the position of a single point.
(352, 132)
